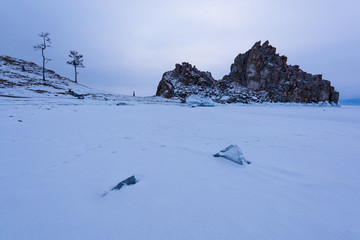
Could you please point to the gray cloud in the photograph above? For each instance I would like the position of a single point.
(127, 45)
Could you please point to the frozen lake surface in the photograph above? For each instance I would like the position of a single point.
(58, 159)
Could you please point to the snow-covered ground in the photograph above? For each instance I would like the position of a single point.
(58, 159)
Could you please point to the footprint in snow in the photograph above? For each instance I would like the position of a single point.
(52, 167)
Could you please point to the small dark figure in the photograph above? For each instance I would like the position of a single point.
(133, 93)
(22, 68)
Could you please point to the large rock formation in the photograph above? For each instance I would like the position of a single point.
(258, 75)
(261, 68)
(186, 80)
(182, 80)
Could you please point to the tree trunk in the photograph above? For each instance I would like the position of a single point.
(43, 72)
(42, 52)
(75, 75)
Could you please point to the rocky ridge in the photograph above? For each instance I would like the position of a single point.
(259, 75)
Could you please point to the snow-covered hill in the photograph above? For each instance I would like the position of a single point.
(58, 160)
(23, 79)
(19, 78)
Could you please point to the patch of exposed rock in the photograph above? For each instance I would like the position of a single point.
(259, 75)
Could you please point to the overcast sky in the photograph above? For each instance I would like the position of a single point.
(128, 45)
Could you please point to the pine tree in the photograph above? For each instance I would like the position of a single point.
(76, 61)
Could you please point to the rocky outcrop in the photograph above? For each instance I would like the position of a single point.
(186, 80)
(259, 75)
(261, 68)
(182, 80)
(129, 181)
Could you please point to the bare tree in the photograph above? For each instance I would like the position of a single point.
(76, 61)
(46, 42)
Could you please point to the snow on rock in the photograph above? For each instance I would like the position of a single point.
(233, 153)
(259, 75)
(186, 80)
(262, 69)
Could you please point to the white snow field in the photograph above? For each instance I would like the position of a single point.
(58, 159)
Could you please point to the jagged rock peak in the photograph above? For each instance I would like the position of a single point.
(262, 69)
(258, 75)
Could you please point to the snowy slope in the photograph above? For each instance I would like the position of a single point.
(58, 161)
(21, 79)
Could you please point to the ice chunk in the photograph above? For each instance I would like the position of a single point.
(233, 153)
(196, 100)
